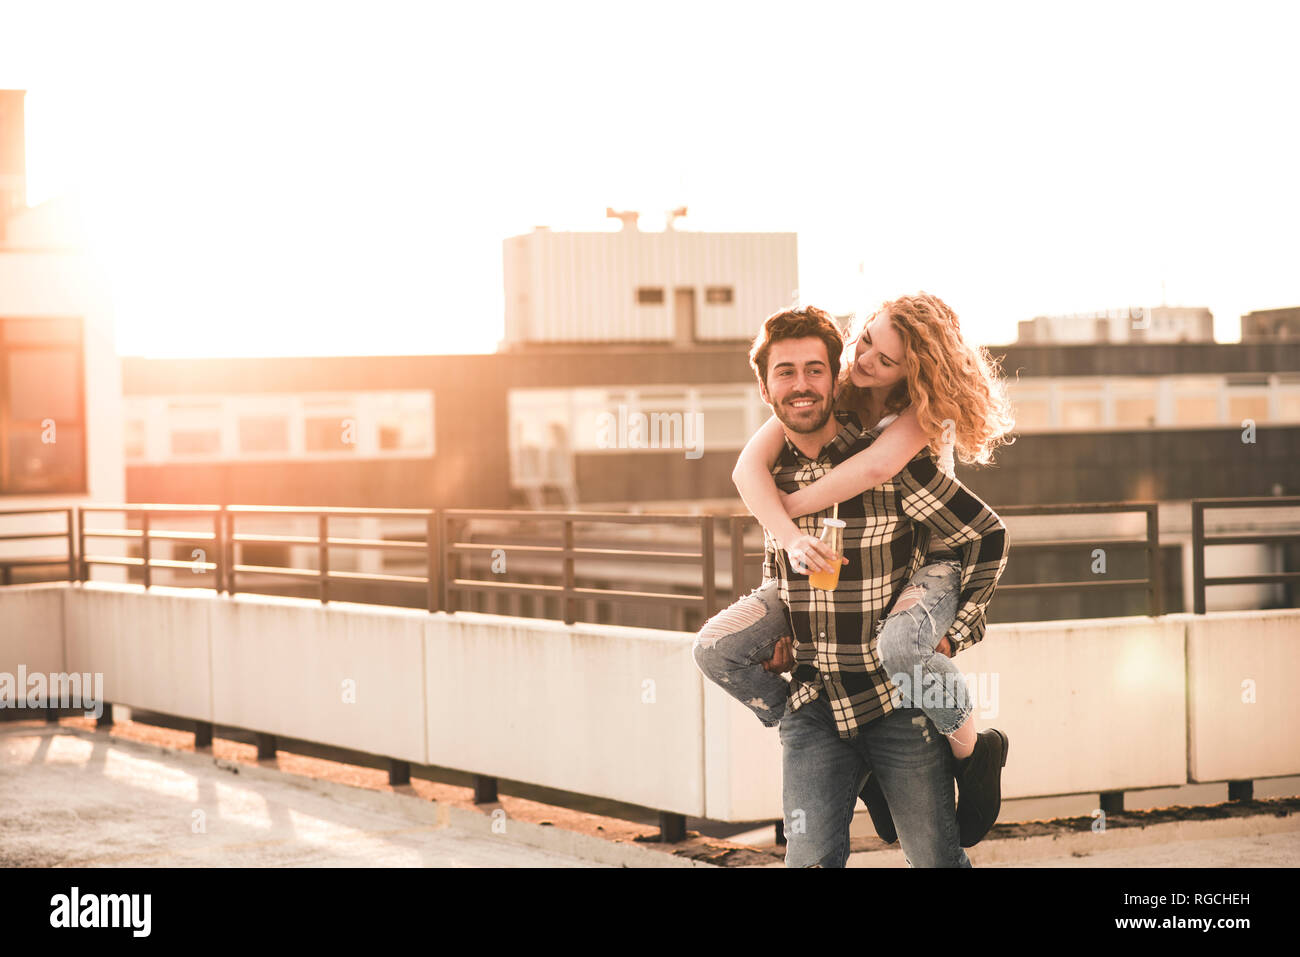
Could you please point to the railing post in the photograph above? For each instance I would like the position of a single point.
(219, 550)
(144, 545)
(81, 546)
(1154, 576)
(446, 593)
(672, 827)
(433, 567)
(266, 746)
(485, 789)
(567, 602)
(737, 558)
(72, 549)
(709, 566)
(1241, 790)
(324, 558)
(230, 553)
(1198, 557)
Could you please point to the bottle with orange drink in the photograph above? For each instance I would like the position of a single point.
(832, 537)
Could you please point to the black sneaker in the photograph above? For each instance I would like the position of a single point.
(878, 808)
(979, 783)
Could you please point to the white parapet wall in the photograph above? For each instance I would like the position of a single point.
(341, 674)
(32, 629)
(1087, 705)
(1243, 714)
(596, 709)
(742, 769)
(624, 714)
(154, 650)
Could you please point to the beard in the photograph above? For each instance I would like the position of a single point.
(801, 421)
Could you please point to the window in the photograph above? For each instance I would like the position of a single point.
(718, 295)
(548, 425)
(195, 442)
(136, 438)
(1081, 413)
(1192, 410)
(1032, 414)
(1135, 411)
(1253, 407)
(195, 427)
(403, 421)
(332, 434)
(263, 433)
(1289, 405)
(330, 424)
(650, 296)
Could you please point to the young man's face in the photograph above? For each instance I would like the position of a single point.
(799, 387)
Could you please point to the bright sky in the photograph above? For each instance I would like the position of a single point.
(337, 178)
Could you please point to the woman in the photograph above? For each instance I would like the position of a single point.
(908, 372)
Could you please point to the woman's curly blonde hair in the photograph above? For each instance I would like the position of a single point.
(947, 378)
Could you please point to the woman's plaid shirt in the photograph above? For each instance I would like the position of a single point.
(887, 535)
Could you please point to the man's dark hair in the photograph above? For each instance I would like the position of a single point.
(804, 323)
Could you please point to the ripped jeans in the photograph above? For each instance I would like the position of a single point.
(731, 647)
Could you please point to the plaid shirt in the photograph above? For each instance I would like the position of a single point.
(888, 532)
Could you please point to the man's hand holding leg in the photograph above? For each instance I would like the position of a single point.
(782, 659)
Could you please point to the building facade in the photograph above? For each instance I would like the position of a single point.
(1271, 325)
(61, 439)
(1129, 324)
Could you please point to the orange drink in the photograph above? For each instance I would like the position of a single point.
(833, 537)
(826, 581)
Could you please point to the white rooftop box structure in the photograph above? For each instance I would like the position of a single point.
(673, 287)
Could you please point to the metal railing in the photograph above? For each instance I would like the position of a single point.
(7, 565)
(1150, 543)
(1201, 541)
(441, 550)
(569, 553)
(445, 550)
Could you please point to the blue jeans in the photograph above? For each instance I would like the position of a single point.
(822, 775)
(820, 769)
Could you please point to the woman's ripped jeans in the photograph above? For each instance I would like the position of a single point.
(731, 647)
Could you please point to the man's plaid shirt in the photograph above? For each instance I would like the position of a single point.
(888, 531)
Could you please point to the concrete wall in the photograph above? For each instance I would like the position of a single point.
(1087, 705)
(341, 674)
(602, 710)
(622, 713)
(32, 628)
(153, 653)
(1243, 718)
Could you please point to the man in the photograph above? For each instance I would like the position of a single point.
(840, 722)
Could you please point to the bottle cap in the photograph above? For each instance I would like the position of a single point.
(834, 522)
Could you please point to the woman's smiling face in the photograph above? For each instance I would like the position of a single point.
(878, 355)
